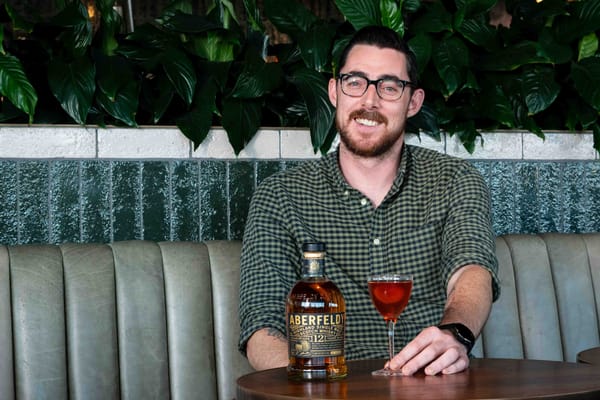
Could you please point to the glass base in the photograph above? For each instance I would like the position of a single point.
(386, 372)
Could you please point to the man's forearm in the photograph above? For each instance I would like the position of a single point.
(469, 298)
(267, 348)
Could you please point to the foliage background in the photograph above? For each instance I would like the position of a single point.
(196, 70)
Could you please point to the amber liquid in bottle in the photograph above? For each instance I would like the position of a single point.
(316, 319)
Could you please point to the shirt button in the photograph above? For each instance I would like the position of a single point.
(364, 202)
(376, 241)
(346, 193)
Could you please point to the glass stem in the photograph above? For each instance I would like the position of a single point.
(390, 325)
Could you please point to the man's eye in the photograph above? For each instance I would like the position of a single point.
(354, 82)
(390, 87)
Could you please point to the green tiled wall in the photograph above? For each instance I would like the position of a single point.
(60, 201)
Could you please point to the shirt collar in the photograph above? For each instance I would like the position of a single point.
(338, 182)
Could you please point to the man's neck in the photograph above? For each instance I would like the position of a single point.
(372, 176)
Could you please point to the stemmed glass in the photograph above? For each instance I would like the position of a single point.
(390, 293)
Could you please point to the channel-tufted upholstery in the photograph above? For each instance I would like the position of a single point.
(549, 308)
(130, 320)
(145, 320)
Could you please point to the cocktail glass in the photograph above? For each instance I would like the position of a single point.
(390, 293)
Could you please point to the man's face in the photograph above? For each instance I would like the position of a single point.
(368, 125)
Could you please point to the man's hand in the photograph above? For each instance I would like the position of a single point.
(435, 349)
(469, 302)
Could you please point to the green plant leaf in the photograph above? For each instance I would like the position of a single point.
(180, 71)
(479, 32)
(15, 85)
(315, 46)
(196, 123)
(391, 15)
(177, 21)
(125, 105)
(18, 22)
(586, 78)
(253, 14)
(113, 74)
(421, 45)
(183, 6)
(410, 6)
(432, 18)
(588, 46)
(218, 72)
(451, 59)
(215, 46)
(494, 104)
(539, 89)
(75, 17)
(596, 131)
(289, 17)
(241, 120)
(111, 25)
(474, 8)
(321, 114)
(580, 115)
(425, 121)
(158, 95)
(466, 133)
(582, 18)
(227, 14)
(257, 78)
(73, 84)
(557, 52)
(588, 13)
(360, 13)
(513, 57)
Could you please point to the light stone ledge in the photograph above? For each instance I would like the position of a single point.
(47, 142)
(74, 142)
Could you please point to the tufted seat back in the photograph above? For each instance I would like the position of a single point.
(146, 320)
(131, 320)
(549, 308)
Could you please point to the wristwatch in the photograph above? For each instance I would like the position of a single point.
(461, 333)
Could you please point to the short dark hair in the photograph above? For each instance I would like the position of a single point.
(384, 38)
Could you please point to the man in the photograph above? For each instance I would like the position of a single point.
(379, 205)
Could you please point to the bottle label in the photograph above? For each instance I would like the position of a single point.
(316, 335)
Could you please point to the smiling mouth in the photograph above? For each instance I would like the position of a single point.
(367, 122)
(368, 118)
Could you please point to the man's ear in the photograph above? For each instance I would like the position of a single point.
(332, 91)
(416, 101)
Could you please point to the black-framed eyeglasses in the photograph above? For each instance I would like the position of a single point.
(388, 88)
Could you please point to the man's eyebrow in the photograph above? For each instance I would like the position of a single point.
(364, 75)
(355, 73)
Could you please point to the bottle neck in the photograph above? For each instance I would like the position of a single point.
(313, 264)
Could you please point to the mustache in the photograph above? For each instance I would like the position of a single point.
(372, 115)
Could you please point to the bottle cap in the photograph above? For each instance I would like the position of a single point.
(313, 247)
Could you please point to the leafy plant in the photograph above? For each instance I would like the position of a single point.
(196, 71)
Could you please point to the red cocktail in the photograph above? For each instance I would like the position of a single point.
(390, 293)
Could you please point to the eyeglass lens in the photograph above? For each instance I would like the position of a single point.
(387, 88)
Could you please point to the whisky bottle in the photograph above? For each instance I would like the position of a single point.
(316, 320)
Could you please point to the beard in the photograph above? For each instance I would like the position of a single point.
(369, 149)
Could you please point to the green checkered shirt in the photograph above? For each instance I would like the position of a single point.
(435, 219)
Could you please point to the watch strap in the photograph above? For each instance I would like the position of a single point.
(461, 333)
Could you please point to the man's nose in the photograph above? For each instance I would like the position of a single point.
(371, 97)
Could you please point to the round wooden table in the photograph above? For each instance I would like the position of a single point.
(590, 356)
(485, 379)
